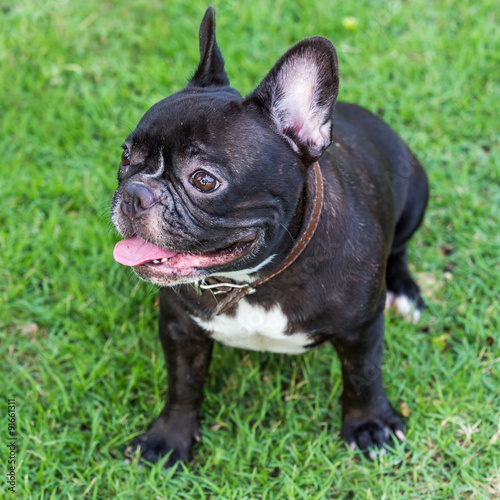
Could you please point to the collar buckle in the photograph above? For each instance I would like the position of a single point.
(219, 287)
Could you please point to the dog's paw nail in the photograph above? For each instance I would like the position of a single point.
(416, 316)
(389, 300)
(387, 432)
(400, 435)
(352, 446)
(413, 317)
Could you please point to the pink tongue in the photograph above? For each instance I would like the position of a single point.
(135, 251)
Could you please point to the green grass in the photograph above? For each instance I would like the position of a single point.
(78, 333)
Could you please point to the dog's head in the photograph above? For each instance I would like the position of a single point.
(210, 182)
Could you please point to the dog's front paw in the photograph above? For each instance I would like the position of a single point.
(172, 435)
(370, 432)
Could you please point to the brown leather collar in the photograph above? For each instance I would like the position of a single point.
(236, 291)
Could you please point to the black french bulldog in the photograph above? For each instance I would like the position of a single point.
(268, 227)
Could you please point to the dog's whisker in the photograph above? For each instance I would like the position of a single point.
(288, 232)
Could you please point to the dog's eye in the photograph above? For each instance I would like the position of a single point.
(126, 157)
(204, 182)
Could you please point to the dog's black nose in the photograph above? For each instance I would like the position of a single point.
(137, 199)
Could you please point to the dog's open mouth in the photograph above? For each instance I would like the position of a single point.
(136, 252)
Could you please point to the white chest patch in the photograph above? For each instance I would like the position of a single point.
(254, 328)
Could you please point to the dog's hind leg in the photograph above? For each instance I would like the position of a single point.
(402, 291)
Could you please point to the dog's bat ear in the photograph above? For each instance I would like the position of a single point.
(210, 72)
(298, 96)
